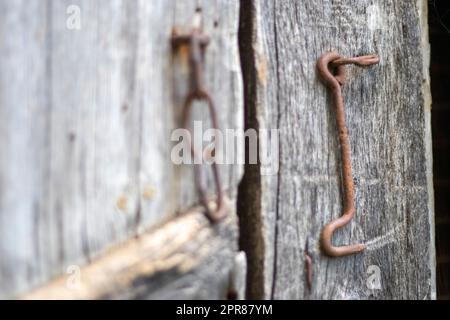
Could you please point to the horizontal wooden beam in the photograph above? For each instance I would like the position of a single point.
(186, 258)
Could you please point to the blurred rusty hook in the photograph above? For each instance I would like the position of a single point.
(334, 83)
(197, 43)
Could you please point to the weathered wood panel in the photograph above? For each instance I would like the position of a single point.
(86, 115)
(387, 112)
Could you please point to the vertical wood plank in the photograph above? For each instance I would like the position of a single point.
(387, 112)
(24, 139)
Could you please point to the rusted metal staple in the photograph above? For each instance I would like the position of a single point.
(197, 42)
(334, 82)
(308, 267)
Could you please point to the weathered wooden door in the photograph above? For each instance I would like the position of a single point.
(90, 95)
(92, 204)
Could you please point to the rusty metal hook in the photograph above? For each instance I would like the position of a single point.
(334, 83)
(197, 43)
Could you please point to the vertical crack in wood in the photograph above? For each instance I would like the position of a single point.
(140, 107)
(277, 215)
(426, 92)
(249, 191)
(40, 248)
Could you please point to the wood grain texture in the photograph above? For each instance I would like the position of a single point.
(388, 116)
(86, 118)
(187, 258)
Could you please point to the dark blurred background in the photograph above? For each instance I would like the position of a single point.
(439, 24)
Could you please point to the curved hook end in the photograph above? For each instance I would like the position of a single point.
(333, 251)
(217, 210)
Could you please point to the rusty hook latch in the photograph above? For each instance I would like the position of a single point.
(334, 82)
(197, 42)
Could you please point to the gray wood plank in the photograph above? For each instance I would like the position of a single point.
(86, 117)
(388, 115)
(24, 138)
